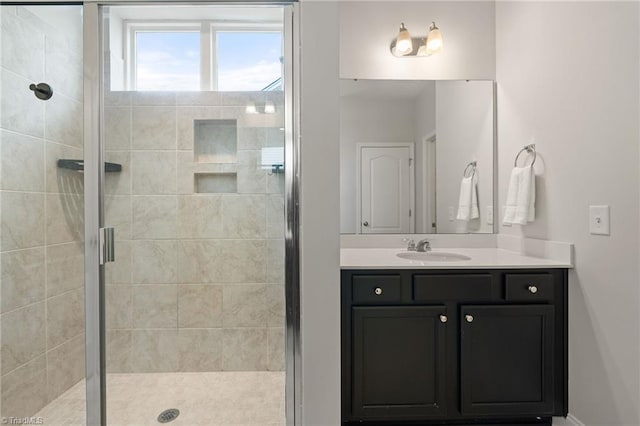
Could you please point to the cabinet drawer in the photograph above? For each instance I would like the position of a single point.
(476, 287)
(374, 289)
(528, 287)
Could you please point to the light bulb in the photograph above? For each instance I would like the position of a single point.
(251, 108)
(434, 40)
(404, 44)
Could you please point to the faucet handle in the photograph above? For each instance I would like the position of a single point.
(411, 245)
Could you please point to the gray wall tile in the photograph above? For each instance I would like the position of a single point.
(155, 306)
(24, 391)
(65, 317)
(22, 217)
(200, 350)
(22, 162)
(23, 336)
(244, 349)
(199, 306)
(23, 278)
(154, 351)
(155, 262)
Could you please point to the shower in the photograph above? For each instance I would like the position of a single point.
(143, 228)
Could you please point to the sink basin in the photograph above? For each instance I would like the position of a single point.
(432, 256)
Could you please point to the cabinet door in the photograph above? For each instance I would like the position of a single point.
(398, 362)
(506, 360)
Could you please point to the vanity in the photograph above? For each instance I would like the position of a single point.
(472, 334)
(449, 340)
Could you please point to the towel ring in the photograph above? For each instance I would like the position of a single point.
(473, 169)
(529, 149)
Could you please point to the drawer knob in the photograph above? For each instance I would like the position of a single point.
(443, 318)
(469, 318)
(533, 289)
(377, 291)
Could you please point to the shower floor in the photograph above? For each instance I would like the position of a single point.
(216, 399)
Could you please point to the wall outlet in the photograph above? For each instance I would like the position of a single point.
(489, 215)
(452, 215)
(599, 220)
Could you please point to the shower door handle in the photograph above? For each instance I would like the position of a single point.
(107, 245)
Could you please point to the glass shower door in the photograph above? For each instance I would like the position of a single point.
(41, 212)
(193, 141)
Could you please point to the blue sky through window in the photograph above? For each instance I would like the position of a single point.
(168, 60)
(248, 61)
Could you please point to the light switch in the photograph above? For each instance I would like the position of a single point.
(599, 220)
(452, 215)
(490, 215)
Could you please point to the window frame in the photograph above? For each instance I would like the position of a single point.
(208, 30)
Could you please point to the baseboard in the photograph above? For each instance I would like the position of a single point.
(570, 420)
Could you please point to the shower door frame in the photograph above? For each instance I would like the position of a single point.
(95, 330)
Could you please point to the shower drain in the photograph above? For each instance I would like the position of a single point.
(168, 415)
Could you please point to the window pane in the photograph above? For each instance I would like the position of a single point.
(248, 61)
(167, 60)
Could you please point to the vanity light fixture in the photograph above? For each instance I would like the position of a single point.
(251, 108)
(269, 108)
(405, 45)
(433, 44)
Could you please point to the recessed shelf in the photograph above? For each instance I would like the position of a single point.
(215, 141)
(216, 183)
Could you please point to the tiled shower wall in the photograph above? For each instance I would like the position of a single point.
(41, 211)
(198, 280)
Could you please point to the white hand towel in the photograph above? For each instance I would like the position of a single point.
(521, 195)
(468, 199)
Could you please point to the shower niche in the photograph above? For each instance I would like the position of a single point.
(215, 154)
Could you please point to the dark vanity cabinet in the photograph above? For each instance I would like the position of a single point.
(454, 347)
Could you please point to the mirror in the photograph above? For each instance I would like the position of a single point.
(416, 156)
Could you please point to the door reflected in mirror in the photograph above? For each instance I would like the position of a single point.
(407, 156)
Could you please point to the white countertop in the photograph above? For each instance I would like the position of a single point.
(481, 258)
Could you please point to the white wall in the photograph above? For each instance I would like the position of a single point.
(320, 218)
(568, 75)
(464, 122)
(368, 27)
(371, 121)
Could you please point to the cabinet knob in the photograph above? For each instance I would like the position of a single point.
(377, 291)
(533, 289)
(469, 318)
(365, 223)
(443, 318)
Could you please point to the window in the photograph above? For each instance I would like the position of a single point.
(167, 60)
(203, 56)
(248, 61)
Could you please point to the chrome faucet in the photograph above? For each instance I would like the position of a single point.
(423, 245)
(411, 245)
